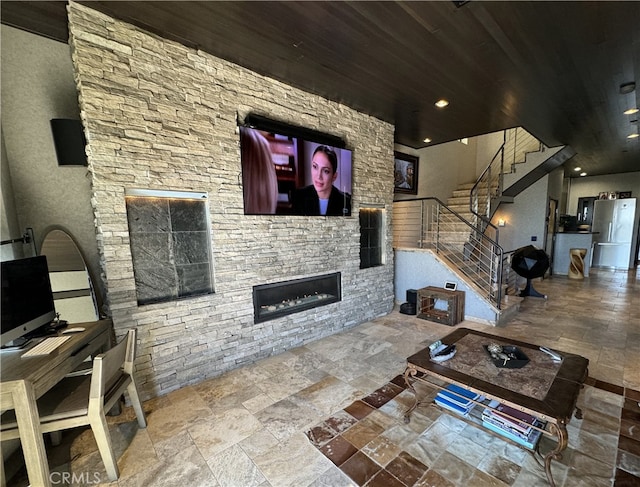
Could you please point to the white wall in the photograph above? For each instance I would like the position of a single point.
(418, 268)
(487, 147)
(594, 185)
(525, 218)
(38, 85)
(442, 168)
(9, 228)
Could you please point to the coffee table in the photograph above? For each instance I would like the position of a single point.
(543, 388)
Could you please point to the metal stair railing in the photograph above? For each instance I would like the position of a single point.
(509, 277)
(487, 191)
(517, 142)
(429, 223)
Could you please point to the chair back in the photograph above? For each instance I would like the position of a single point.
(113, 366)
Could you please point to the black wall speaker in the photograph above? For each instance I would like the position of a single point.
(412, 296)
(69, 140)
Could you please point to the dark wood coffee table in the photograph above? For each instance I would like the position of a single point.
(542, 388)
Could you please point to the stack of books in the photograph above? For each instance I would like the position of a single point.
(457, 399)
(516, 425)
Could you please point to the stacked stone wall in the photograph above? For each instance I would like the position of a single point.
(162, 116)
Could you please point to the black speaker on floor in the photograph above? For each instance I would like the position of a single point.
(412, 296)
(68, 137)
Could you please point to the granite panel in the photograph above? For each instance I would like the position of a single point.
(170, 248)
(150, 249)
(193, 279)
(533, 380)
(188, 215)
(148, 214)
(191, 247)
(156, 284)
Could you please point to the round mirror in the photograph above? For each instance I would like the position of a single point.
(73, 293)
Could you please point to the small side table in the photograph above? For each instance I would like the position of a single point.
(427, 297)
(576, 265)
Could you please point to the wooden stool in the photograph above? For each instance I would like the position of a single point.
(576, 266)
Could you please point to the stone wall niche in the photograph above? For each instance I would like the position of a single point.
(170, 244)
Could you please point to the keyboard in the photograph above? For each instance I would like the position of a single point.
(46, 346)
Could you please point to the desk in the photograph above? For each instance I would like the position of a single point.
(25, 380)
(542, 388)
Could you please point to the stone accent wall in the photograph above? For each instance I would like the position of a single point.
(159, 115)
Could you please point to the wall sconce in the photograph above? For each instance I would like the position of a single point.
(501, 222)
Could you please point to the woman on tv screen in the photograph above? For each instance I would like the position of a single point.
(322, 197)
(259, 175)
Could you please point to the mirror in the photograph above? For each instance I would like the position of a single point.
(73, 292)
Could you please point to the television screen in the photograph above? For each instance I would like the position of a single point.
(283, 174)
(27, 300)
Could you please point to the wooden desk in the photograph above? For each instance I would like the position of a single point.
(25, 380)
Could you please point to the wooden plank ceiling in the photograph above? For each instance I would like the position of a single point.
(554, 68)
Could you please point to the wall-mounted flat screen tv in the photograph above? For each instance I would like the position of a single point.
(285, 173)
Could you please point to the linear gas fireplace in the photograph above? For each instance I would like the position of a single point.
(272, 301)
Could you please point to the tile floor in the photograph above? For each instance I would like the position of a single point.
(249, 427)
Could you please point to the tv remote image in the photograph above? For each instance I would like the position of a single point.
(554, 355)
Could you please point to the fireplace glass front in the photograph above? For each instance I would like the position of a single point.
(278, 299)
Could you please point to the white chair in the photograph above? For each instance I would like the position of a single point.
(84, 400)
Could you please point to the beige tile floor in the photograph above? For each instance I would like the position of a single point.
(247, 427)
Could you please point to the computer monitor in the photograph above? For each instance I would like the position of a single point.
(27, 300)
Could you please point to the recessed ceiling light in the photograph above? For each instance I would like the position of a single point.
(441, 103)
(583, 174)
(626, 88)
(427, 140)
(633, 136)
(577, 169)
(631, 111)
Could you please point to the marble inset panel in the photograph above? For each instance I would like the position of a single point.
(193, 279)
(188, 216)
(170, 246)
(148, 215)
(150, 249)
(156, 284)
(190, 247)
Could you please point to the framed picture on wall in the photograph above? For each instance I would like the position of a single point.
(624, 194)
(405, 173)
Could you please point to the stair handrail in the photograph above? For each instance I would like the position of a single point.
(489, 264)
(515, 142)
(486, 176)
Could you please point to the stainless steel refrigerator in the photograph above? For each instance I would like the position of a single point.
(615, 225)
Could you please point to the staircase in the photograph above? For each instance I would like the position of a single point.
(460, 231)
(474, 261)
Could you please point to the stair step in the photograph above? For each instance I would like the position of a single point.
(460, 200)
(466, 197)
(467, 186)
